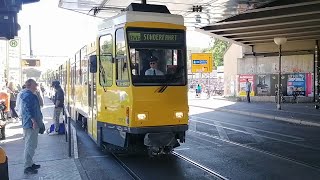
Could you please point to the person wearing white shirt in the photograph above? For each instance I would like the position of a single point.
(153, 71)
(248, 90)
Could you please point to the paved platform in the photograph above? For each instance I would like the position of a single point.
(299, 113)
(51, 154)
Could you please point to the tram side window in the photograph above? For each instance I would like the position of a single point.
(73, 69)
(78, 69)
(84, 66)
(105, 60)
(122, 74)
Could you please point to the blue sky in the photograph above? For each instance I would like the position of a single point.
(61, 32)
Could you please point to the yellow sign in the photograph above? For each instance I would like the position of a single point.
(201, 62)
(30, 62)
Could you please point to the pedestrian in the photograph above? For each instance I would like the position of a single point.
(42, 88)
(13, 98)
(198, 90)
(18, 102)
(39, 95)
(248, 90)
(32, 123)
(58, 106)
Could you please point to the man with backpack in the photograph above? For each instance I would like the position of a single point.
(58, 106)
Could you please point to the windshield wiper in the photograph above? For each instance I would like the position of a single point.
(164, 87)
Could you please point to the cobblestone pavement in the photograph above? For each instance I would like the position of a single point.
(51, 154)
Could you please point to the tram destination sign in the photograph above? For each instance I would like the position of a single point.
(155, 37)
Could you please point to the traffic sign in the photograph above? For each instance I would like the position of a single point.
(13, 43)
(201, 62)
(13, 60)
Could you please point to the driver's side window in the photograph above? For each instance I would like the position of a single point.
(105, 61)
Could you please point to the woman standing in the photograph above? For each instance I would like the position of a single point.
(13, 98)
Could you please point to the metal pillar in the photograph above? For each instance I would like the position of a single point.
(69, 136)
(279, 81)
(208, 81)
(143, 1)
(30, 44)
(316, 75)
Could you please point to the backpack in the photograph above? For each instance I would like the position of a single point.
(62, 129)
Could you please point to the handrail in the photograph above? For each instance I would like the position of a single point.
(67, 118)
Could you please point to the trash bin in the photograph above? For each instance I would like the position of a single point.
(4, 171)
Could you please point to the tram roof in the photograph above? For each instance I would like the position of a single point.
(132, 16)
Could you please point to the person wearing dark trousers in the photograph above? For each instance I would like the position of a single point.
(13, 98)
(248, 90)
(59, 104)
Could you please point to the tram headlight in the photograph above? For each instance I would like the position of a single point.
(179, 115)
(141, 116)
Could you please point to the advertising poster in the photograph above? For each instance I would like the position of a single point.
(242, 84)
(296, 82)
(309, 86)
(263, 85)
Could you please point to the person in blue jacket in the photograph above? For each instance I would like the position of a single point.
(32, 122)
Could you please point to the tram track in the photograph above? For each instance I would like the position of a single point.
(249, 133)
(181, 157)
(125, 167)
(316, 168)
(200, 166)
(279, 156)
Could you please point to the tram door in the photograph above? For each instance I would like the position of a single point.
(92, 100)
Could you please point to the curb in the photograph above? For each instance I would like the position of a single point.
(260, 115)
(75, 142)
(80, 168)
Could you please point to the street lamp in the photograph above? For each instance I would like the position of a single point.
(279, 41)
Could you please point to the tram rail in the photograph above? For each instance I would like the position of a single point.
(200, 166)
(126, 168)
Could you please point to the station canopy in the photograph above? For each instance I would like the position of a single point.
(293, 19)
(196, 13)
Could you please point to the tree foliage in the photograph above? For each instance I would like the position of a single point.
(218, 49)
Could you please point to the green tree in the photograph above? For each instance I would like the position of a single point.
(218, 49)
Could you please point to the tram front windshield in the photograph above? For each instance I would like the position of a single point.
(157, 57)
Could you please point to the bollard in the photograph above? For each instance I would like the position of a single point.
(69, 135)
(65, 122)
(3, 165)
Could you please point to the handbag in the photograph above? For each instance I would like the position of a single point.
(42, 128)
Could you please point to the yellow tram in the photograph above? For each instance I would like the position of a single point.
(108, 88)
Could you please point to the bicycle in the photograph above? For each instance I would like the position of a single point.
(209, 94)
(295, 95)
(282, 99)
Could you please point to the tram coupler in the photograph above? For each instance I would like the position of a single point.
(160, 143)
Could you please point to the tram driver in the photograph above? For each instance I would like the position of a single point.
(153, 70)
